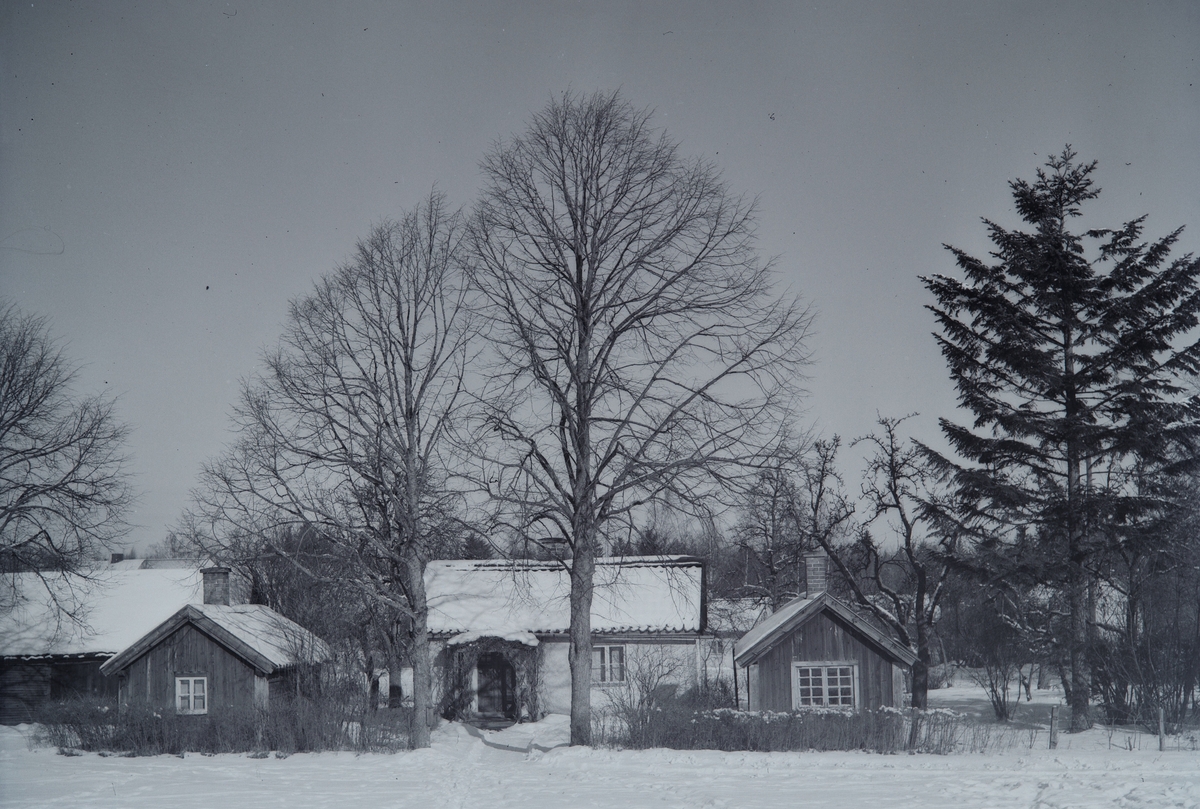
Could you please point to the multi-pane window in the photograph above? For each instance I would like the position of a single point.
(191, 695)
(824, 685)
(608, 664)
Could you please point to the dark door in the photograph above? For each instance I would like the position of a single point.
(497, 687)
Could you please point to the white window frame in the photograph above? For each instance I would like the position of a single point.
(839, 674)
(186, 696)
(602, 665)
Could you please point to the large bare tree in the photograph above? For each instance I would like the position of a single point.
(64, 492)
(640, 349)
(344, 435)
(899, 578)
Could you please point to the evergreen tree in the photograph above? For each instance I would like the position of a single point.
(1070, 350)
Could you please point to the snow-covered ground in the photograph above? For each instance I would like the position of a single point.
(523, 767)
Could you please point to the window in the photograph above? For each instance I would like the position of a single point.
(191, 695)
(608, 664)
(823, 684)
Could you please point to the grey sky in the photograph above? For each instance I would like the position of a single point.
(172, 173)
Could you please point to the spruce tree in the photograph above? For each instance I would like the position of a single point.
(1073, 351)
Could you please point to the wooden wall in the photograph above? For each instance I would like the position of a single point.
(824, 637)
(26, 685)
(23, 687)
(188, 652)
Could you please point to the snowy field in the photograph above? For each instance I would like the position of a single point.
(514, 768)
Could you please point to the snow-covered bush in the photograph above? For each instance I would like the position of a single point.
(682, 725)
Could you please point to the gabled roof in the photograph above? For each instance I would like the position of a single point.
(632, 594)
(257, 634)
(112, 605)
(798, 611)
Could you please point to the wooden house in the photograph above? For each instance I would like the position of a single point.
(216, 657)
(815, 651)
(498, 632)
(57, 629)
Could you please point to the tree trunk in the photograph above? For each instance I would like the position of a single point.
(920, 670)
(580, 652)
(422, 665)
(1081, 686)
(1077, 583)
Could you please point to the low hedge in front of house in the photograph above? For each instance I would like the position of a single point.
(681, 725)
(300, 724)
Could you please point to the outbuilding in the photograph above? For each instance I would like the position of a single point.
(216, 657)
(815, 652)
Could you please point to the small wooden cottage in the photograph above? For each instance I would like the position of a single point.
(216, 657)
(817, 652)
(498, 632)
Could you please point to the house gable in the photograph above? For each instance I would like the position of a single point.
(188, 651)
(257, 635)
(817, 651)
(795, 613)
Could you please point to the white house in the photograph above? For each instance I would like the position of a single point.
(499, 641)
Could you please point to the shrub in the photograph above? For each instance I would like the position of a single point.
(679, 725)
(299, 724)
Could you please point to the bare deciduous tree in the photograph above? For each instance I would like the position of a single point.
(899, 582)
(640, 350)
(767, 535)
(64, 492)
(345, 433)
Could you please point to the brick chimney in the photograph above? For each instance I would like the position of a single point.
(116, 557)
(216, 585)
(816, 572)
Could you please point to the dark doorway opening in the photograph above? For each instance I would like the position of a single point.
(496, 693)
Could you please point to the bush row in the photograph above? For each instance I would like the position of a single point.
(680, 725)
(299, 724)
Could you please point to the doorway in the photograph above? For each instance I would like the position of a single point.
(497, 688)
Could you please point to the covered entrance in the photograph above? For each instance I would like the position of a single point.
(491, 679)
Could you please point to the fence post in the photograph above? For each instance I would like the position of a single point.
(1162, 736)
(1053, 727)
(914, 729)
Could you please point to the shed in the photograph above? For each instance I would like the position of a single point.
(216, 657)
(815, 652)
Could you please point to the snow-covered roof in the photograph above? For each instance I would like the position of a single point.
(510, 635)
(112, 605)
(632, 594)
(799, 610)
(256, 633)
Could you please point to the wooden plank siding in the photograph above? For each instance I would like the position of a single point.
(27, 685)
(188, 652)
(823, 638)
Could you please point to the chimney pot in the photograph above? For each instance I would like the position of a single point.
(816, 572)
(216, 585)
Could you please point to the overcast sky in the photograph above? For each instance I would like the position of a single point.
(172, 173)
